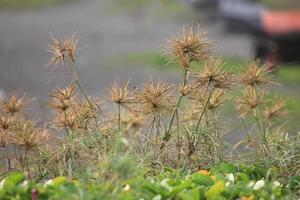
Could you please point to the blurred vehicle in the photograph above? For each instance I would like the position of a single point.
(276, 33)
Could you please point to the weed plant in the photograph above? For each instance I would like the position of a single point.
(144, 129)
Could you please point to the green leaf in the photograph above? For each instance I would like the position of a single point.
(201, 179)
(224, 168)
(181, 187)
(215, 190)
(156, 189)
(15, 178)
(194, 194)
(59, 181)
(294, 183)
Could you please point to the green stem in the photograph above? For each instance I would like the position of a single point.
(204, 108)
(119, 117)
(175, 109)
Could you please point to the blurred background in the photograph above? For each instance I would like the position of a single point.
(121, 39)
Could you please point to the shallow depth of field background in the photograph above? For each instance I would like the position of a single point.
(119, 39)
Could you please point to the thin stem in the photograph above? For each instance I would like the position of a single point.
(74, 69)
(119, 117)
(246, 129)
(203, 110)
(175, 109)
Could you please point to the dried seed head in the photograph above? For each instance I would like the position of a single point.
(214, 73)
(62, 49)
(14, 104)
(132, 121)
(4, 138)
(63, 99)
(185, 90)
(66, 120)
(155, 98)
(276, 109)
(256, 74)
(28, 136)
(7, 122)
(85, 115)
(190, 45)
(250, 101)
(216, 99)
(121, 94)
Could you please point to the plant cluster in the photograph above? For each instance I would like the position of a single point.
(152, 125)
(223, 181)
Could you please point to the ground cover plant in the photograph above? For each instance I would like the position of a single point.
(155, 140)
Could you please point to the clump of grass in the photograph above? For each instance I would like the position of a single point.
(155, 122)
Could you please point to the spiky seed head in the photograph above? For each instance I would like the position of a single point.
(66, 120)
(61, 49)
(14, 104)
(213, 73)
(27, 136)
(276, 109)
(121, 94)
(7, 122)
(185, 90)
(132, 121)
(189, 45)
(216, 99)
(256, 74)
(4, 138)
(155, 97)
(63, 99)
(250, 101)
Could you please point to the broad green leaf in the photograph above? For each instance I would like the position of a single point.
(215, 190)
(201, 179)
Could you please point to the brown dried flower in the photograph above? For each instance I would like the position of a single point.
(216, 99)
(185, 90)
(66, 120)
(214, 73)
(121, 95)
(276, 109)
(190, 45)
(14, 104)
(7, 122)
(250, 101)
(256, 74)
(27, 136)
(155, 97)
(62, 48)
(63, 99)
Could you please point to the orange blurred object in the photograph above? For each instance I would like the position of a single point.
(204, 172)
(281, 22)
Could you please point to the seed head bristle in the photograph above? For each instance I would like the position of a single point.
(250, 101)
(256, 74)
(190, 45)
(61, 49)
(27, 136)
(121, 94)
(15, 104)
(216, 99)
(213, 73)
(155, 98)
(275, 110)
(63, 99)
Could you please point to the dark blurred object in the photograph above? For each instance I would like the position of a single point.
(276, 33)
(203, 3)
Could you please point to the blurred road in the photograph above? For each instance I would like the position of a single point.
(24, 36)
